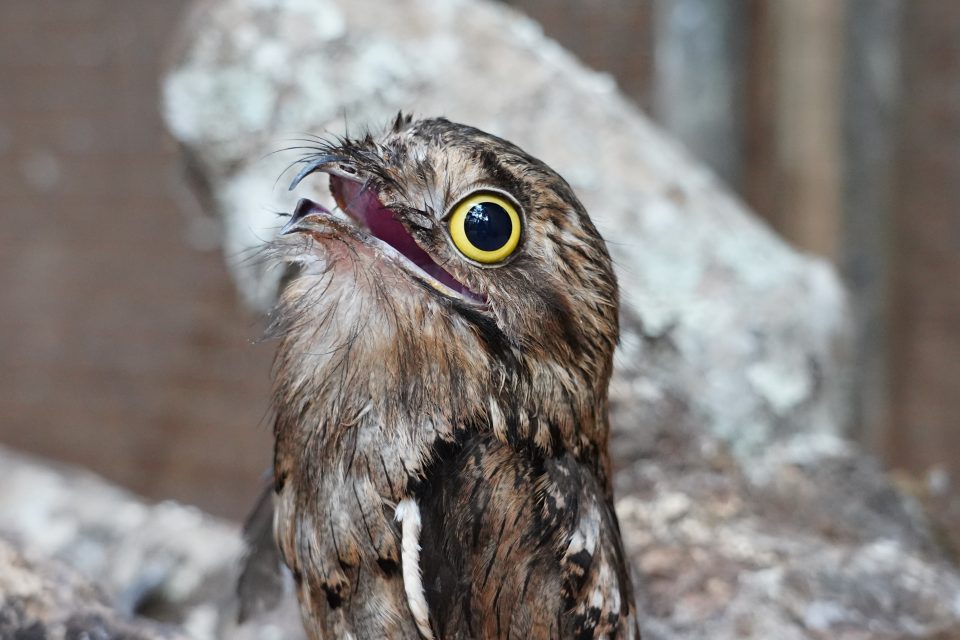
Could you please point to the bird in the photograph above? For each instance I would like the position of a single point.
(445, 343)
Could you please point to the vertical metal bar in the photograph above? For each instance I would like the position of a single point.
(872, 97)
(698, 79)
(809, 66)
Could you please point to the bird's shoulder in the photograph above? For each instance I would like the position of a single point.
(516, 543)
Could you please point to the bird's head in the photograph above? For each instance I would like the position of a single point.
(453, 257)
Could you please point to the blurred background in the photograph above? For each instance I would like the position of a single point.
(125, 349)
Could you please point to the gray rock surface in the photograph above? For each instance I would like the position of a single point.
(827, 549)
(166, 561)
(49, 601)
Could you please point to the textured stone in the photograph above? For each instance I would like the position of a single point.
(825, 549)
(49, 601)
(166, 561)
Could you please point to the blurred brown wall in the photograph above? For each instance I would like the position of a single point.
(123, 346)
(925, 244)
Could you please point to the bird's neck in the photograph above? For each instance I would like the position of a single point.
(360, 382)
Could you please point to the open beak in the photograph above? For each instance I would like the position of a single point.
(303, 209)
(366, 214)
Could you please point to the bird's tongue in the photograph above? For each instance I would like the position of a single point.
(363, 205)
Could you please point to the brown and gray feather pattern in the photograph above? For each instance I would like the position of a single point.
(481, 397)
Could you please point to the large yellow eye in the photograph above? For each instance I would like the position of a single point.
(485, 228)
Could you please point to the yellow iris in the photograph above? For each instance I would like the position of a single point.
(485, 228)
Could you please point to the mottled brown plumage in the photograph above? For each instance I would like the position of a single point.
(474, 398)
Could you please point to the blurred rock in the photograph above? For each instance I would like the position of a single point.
(826, 550)
(48, 601)
(166, 561)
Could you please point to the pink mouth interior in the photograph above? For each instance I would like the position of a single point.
(362, 205)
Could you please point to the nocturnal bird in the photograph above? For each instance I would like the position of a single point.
(440, 391)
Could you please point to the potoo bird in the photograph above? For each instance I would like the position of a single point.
(440, 390)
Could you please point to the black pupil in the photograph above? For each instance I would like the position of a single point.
(488, 226)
